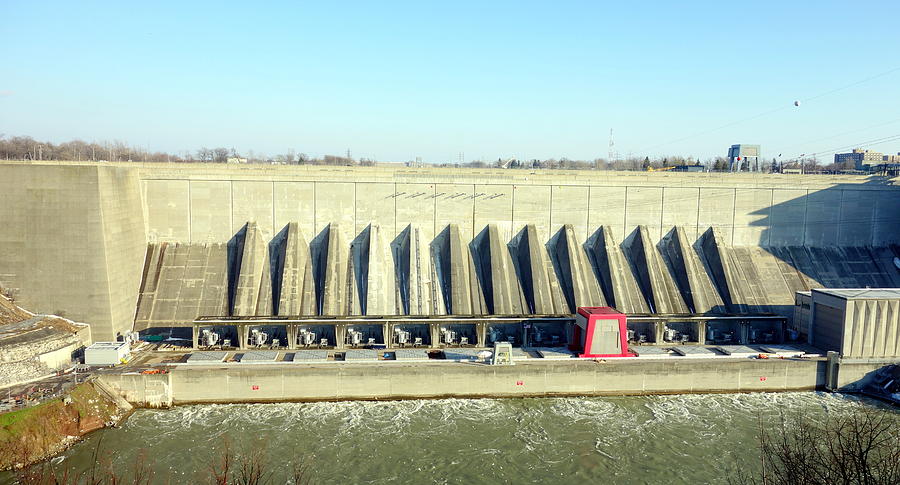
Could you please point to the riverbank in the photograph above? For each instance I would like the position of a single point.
(39, 432)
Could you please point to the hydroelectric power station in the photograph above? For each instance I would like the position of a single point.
(287, 265)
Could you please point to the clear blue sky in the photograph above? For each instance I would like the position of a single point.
(396, 80)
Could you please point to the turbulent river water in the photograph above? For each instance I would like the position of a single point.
(675, 439)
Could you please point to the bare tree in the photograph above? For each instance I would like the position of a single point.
(862, 447)
(220, 155)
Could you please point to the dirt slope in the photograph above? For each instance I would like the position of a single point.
(10, 313)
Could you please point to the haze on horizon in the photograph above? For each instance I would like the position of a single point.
(412, 79)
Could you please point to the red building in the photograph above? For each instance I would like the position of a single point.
(601, 332)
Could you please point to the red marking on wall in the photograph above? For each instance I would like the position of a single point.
(520, 383)
(255, 388)
(762, 378)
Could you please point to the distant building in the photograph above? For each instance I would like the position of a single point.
(107, 353)
(860, 158)
(740, 154)
(866, 159)
(236, 160)
(689, 168)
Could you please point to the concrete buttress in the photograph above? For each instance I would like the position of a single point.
(248, 259)
(496, 273)
(542, 291)
(460, 291)
(614, 273)
(652, 274)
(573, 270)
(329, 257)
(417, 293)
(690, 275)
(372, 273)
(294, 271)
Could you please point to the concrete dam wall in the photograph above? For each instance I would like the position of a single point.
(160, 244)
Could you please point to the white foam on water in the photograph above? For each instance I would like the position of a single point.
(599, 446)
(587, 409)
(453, 440)
(689, 407)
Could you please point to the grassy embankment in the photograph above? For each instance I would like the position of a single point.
(34, 433)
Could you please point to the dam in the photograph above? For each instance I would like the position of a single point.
(133, 246)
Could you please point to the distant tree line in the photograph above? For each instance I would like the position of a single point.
(563, 163)
(27, 148)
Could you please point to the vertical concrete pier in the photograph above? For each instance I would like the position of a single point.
(496, 273)
(296, 293)
(461, 293)
(329, 259)
(417, 292)
(540, 286)
(653, 276)
(614, 273)
(573, 270)
(691, 277)
(373, 275)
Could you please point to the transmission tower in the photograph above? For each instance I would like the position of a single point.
(612, 147)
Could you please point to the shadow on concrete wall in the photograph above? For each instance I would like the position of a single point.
(858, 214)
(235, 257)
(842, 236)
(277, 254)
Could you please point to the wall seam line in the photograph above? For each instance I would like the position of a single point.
(190, 213)
(733, 211)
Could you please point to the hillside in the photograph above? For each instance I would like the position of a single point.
(10, 313)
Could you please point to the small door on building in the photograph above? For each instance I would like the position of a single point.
(606, 338)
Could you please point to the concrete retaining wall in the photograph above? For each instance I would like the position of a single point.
(200, 207)
(72, 242)
(272, 383)
(264, 383)
(144, 390)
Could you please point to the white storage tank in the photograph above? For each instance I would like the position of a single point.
(107, 353)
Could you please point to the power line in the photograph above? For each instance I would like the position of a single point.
(773, 111)
(876, 141)
(876, 76)
(842, 134)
